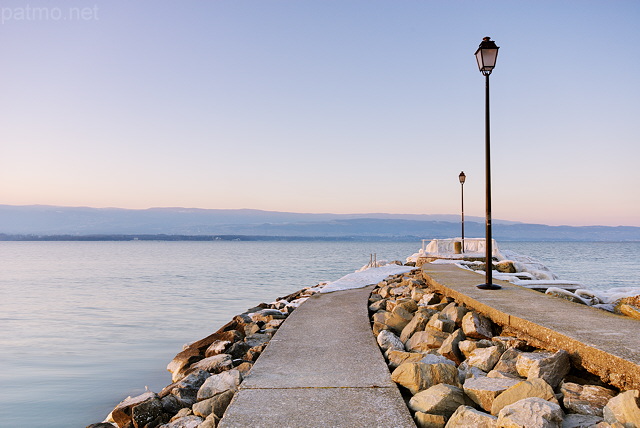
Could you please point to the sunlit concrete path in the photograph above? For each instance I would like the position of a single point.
(323, 368)
(604, 343)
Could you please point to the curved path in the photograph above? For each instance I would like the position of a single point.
(323, 368)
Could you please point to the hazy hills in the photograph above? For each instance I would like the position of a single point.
(81, 221)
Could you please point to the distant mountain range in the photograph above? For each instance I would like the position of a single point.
(35, 221)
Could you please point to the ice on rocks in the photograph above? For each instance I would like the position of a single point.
(364, 278)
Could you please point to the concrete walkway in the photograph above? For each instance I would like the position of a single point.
(323, 368)
(602, 342)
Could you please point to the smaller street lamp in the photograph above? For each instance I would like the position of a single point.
(462, 178)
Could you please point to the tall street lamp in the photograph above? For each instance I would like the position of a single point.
(462, 178)
(486, 55)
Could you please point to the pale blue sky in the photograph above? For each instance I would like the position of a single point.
(322, 106)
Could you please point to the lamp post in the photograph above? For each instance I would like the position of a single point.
(486, 55)
(462, 178)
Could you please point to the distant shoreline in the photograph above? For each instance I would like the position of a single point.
(249, 238)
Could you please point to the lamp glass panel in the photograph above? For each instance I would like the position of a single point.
(479, 59)
(489, 57)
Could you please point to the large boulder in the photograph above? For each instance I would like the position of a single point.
(232, 332)
(122, 413)
(408, 305)
(441, 399)
(454, 312)
(424, 341)
(623, 409)
(436, 322)
(468, 417)
(483, 390)
(484, 358)
(450, 349)
(552, 367)
(148, 413)
(470, 345)
(477, 326)
(215, 364)
(217, 347)
(185, 390)
(531, 412)
(536, 387)
(507, 362)
(585, 399)
(216, 404)
(388, 340)
(417, 377)
(417, 323)
(380, 305)
(218, 383)
(396, 358)
(394, 321)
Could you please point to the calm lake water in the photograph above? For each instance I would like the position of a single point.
(85, 324)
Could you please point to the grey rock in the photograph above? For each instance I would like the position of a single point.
(436, 359)
(575, 420)
(186, 389)
(388, 340)
(186, 422)
(531, 412)
(218, 383)
(216, 404)
(146, 412)
(257, 339)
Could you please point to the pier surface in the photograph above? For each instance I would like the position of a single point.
(603, 343)
(323, 368)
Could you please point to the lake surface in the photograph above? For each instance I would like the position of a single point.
(85, 324)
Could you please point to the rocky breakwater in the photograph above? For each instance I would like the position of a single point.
(206, 374)
(455, 369)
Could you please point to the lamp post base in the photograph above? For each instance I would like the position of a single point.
(488, 287)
